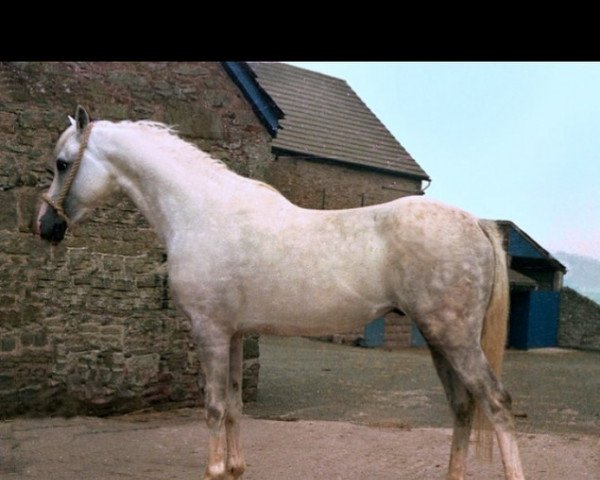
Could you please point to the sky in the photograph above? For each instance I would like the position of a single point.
(512, 141)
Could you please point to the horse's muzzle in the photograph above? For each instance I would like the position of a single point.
(52, 227)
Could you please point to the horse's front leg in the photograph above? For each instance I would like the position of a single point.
(235, 457)
(214, 355)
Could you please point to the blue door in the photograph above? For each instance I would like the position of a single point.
(374, 333)
(534, 317)
(543, 320)
(518, 327)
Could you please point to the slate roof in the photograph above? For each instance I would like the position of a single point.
(324, 118)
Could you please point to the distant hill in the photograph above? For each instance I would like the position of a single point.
(583, 274)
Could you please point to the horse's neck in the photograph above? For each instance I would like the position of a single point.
(174, 189)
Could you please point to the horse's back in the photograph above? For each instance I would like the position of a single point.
(430, 225)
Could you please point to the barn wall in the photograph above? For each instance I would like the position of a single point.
(579, 321)
(398, 331)
(88, 326)
(326, 185)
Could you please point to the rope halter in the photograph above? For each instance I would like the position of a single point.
(58, 202)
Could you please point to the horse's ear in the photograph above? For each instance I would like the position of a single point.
(71, 120)
(81, 119)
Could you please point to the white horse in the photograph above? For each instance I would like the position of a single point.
(244, 259)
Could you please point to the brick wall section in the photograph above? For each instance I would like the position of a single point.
(579, 325)
(88, 327)
(327, 185)
(397, 331)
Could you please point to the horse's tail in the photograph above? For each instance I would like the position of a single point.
(493, 335)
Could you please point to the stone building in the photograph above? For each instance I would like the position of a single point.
(332, 151)
(87, 326)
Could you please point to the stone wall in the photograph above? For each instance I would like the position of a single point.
(88, 326)
(328, 185)
(579, 325)
(398, 331)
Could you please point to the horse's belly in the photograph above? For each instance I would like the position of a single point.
(319, 311)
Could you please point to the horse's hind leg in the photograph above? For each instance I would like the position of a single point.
(462, 405)
(235, 457)
(471, 366)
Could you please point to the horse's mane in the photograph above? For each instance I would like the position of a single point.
(170, 138)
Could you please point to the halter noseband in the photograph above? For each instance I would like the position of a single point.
(58, 203)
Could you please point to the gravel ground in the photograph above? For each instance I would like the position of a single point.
(350, 414)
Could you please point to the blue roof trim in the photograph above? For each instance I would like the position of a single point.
(263, 105)
(519, 246)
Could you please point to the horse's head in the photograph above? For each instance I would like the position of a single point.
(80, 181)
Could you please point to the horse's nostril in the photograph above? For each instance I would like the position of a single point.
(58, 231)
(52, 227)
(54, 232)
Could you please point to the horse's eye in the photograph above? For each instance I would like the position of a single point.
(61, 165)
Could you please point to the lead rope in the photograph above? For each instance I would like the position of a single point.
(58, 203)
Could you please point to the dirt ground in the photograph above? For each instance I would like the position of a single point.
(351, 414)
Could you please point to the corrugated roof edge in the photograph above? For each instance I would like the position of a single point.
(296, 67)
(425, 175)
(368, 166)
(263, 105)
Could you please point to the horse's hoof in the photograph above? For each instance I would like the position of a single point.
(237, 472)
(218, 472)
